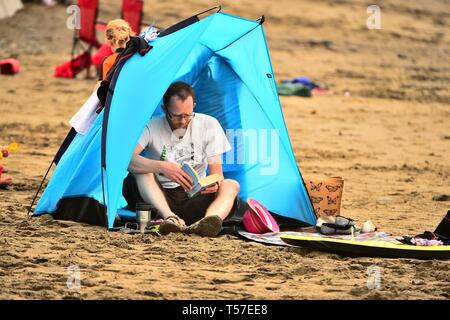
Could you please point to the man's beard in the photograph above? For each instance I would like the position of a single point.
(176, 126)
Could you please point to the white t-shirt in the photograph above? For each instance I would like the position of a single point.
(203, 138)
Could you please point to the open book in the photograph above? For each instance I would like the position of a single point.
(199, 184)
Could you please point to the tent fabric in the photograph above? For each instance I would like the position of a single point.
(9, 7)
(234, 82)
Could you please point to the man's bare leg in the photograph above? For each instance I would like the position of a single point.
(222, 204)
(151, 193)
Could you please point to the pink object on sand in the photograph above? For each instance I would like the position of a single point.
(9, 66)
(257, 219)
(321, 92)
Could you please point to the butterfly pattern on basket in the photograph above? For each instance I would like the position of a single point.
(330, 212)
(315, 186)
(332, 188)
(332, 200)
(325, 194)
(316, 199)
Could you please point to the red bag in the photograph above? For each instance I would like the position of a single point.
(71, 68)
(9, 66)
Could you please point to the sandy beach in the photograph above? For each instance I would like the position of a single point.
(384, 128)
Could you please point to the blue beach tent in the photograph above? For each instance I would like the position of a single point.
(226, 59)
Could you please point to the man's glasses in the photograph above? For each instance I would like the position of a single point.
(180, 117)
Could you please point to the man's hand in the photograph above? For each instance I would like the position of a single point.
(174, 172)
(212, 189)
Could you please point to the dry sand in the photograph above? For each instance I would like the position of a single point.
(389, 138)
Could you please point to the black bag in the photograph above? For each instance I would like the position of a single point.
(443, 229)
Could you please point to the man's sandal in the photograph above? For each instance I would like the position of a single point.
(209, 226)
(171, 224)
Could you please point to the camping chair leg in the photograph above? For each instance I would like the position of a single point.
(39, 189)
(88, 72)
(74, 47)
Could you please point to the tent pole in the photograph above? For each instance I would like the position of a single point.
(62, 149)
(104, 201)
(219, 8)
(39, 189)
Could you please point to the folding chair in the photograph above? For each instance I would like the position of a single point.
(132, 13)
(86, 33)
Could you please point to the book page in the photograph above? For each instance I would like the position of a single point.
(210, 180)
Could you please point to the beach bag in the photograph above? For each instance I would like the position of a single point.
(257, 219)
(443, 229)
(325, 195)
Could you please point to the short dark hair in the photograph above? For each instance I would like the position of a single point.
(180, 89)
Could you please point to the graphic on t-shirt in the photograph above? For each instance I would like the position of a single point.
(203, 138)
(163, 156)
(180, 153)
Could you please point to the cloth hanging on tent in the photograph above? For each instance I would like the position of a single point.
(85, 117)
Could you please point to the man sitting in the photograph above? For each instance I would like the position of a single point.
(177, 137)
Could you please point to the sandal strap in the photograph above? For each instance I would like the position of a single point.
(177, 218)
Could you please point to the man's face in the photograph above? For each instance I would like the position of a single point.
(179, 112)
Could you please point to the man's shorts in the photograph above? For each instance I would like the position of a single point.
(189, 209)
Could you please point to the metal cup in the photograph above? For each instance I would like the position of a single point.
(143, 215)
